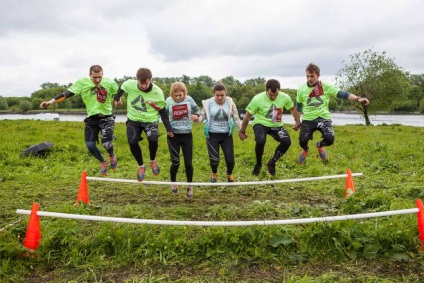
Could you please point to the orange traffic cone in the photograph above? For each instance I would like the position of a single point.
(33, 234)
(83, 189)
(350, 189)
(420, 216)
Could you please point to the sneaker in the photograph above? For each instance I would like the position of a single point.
(256, 169)
(103, 168)
(189, 194)
(174, 189)
(140, 173)
(155, 167)
(230, 178)
(271, 168)
(322, 153)
(214, 177)
(302, 157)
(113, 161)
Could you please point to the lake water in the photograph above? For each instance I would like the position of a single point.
(339, 119)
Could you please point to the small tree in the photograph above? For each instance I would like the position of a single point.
(3, 103)
(25, 106)
(373, 75)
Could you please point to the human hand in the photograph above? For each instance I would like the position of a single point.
(44, 104)
(194, 118)
(170, 134)
(296, 126)
(243, 135)
(118, 103)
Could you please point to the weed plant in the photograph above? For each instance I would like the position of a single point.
(383, 249)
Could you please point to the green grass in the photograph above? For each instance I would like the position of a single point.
(371, 250)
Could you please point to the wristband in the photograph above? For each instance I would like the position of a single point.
(357, 98)
(242, 132)
(52, 101)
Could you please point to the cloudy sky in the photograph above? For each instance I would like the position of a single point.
(58, 40)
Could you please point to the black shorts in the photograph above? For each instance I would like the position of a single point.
(104, 124)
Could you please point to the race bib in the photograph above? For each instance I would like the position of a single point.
(277, 114)
(179, 111)
(317, 90)
(101, 95)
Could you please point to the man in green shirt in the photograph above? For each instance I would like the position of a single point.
(97, 93)
(145, 102)
(268, 107)
(312, 101)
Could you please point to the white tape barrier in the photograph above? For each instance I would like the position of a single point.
(220, 223)
(222, 184)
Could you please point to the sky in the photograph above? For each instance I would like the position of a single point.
(57, 41)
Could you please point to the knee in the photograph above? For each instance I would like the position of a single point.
(132, 142)
(286, 143)
(303, 140)
(260, 142)
(329, 140)
(91, 145)
(108, 145)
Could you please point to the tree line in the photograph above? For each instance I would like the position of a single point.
(368, 74)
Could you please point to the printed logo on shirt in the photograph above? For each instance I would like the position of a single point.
(142, 103)
(277, 115)
(220, 115)
(179, 111)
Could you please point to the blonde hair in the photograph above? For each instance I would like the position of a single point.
(176, 87)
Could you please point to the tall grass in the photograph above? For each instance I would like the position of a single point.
(377, 250)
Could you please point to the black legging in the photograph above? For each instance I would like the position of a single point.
(279, 134)
(134, 130)
(226, 142)
(185, 143)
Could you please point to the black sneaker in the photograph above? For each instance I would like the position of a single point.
(256, 169)
(271, 168)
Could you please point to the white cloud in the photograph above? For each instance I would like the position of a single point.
(57, 41)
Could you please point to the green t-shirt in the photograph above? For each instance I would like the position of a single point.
(269, 113)
(314, 107)
(138, 108)
(96, 100)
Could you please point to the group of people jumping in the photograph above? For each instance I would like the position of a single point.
(146, 103)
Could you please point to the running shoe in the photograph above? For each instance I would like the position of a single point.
(302, 157)
(174, 189)
(113, 161)
(322, 153)
(214, 177)
(140, 173)
(155, 167)
(230, 178)
(103, 168)
(256, 169)
(189, 194)
(271, 168)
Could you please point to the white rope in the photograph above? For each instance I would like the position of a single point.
(220, 223)
(221, 184)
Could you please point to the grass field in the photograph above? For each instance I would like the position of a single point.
(383, 249)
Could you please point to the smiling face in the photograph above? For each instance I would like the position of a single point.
(96, 78)
(219, 96)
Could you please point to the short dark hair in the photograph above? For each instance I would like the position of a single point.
(272, 84)
(144, 74)
(312, 68)
(96, 69)
(219, 86)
